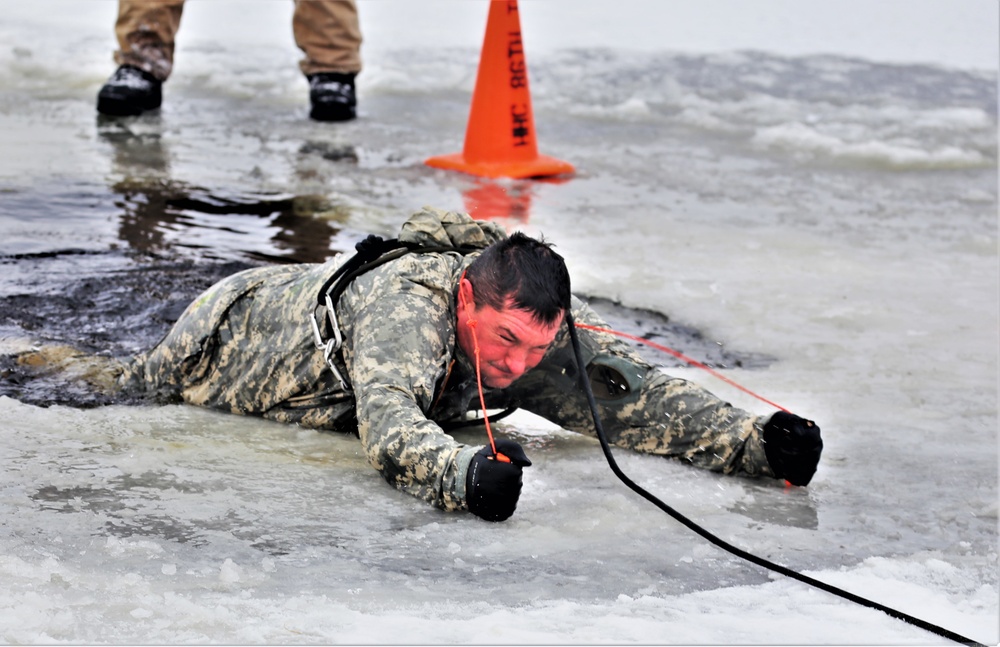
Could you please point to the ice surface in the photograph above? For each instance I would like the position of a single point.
(835, 212)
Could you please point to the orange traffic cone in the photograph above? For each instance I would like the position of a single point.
(500, 135)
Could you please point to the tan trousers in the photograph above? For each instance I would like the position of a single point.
(326, 30)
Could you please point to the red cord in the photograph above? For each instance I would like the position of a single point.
(685, 358)
(479, 379)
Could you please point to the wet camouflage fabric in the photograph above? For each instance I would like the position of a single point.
(246, 346)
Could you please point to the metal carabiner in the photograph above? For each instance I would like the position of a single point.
(328, 354)
(329, 346)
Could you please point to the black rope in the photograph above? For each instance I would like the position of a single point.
(759, 561)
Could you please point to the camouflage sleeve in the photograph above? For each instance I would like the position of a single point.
(398, 322)
(641, 407)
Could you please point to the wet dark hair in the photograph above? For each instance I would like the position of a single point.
(525, 270)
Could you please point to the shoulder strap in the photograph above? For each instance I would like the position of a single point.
(368, 250)
(372, 252)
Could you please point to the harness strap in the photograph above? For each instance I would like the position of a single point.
(368, 250)
(371, 252)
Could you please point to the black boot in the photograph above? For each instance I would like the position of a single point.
(332, 96)
(129, 91)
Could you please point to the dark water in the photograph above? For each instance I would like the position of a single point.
(117, 290)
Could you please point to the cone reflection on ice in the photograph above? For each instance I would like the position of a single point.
(500, 136)
(488, 200)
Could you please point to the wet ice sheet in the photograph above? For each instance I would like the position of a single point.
(182, 525)
(838, 215)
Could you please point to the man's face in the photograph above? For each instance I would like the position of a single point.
(511, 342)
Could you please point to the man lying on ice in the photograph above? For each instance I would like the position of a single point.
(390, 347)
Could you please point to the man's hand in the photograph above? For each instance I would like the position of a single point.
(792, 446)
(493, 485)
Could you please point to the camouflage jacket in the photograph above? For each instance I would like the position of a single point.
(246, 346)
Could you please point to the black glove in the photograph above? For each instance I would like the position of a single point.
(792, 446)
(493, 485)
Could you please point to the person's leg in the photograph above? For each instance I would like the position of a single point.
(329, 34)
(70, 369)
(145, 30)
